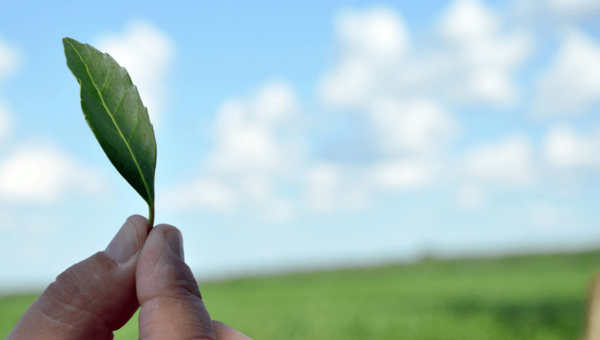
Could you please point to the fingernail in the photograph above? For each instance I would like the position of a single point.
(175, 242)
(124, 244)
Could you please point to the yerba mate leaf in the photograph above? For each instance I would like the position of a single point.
(114, 111)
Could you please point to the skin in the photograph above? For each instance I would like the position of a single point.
(100, 294)
(593, 312)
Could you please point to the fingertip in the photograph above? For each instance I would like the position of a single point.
(175, 241)
(139, 221)
(129, 240)
(141, 227)
(163, 226)
(161, 263)
(173, 237)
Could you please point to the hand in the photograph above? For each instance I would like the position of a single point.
(100, 294)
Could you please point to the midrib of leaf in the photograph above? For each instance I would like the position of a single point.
(116, 125)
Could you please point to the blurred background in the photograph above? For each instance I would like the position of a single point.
(310, 135)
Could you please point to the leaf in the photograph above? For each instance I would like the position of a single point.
(114, 111)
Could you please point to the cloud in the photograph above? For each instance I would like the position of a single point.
(418, 126)
(571, 85)
(256, 146)
(506, 163)
(370, 42)
(369, 78)
(9, 59)
(377, 33)
(573, 8)
(5, 120)
(564, 149)
(401, 174)
(147, 53)
(403, 87)
(331, 187)
(479, 55)
(472, 59)
(207, 193)
(248, 133)
(44, 174)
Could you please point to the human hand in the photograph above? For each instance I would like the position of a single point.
(99, 295)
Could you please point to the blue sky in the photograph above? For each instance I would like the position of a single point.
(309, 134)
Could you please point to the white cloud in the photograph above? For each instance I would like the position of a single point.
(557, 13)
(244, 144)
(147, 53)
(468, 20)
(571, 85)
(332, 187)
(377, 75)
(349, 85)
(44, 174)
(335, 186)
(377, 33)
(573, 8)
(564, 149)
(202, 193)
(370, 42)
(5, 120)
(9, 59)
(420, 126)
(256, 146)
(249, 133)
(479, 57)
(401, 174)
(470, 197)
(505, 163)
(401, 87)
(473, 59)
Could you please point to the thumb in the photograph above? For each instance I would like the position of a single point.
(592, 331)
(172, 306)
(92, 298)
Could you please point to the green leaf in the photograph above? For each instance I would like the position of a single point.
(114, 111)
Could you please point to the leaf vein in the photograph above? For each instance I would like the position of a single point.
(133, 131)
(150, 197)
(118, 107)
(108, 74)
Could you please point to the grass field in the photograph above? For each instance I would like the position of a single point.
(527, 297)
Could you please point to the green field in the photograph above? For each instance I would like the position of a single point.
(527, 297)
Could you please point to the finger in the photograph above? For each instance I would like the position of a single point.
(92, 298)
(225, 332)
(593, 310)
(172, 306)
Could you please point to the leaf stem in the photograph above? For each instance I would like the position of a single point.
(151, 217)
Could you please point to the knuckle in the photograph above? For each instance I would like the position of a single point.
(183, 281)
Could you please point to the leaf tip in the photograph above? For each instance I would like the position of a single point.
(66, 40)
